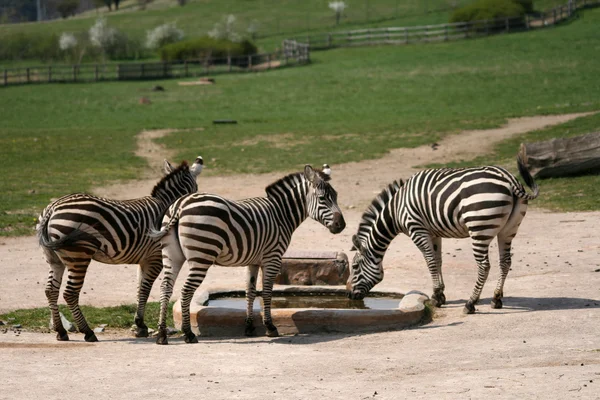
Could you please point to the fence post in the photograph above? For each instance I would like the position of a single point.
(185, 68)
(329, 40)
(269, 61)
(142, 70)
(27, 75)
(164, 69)
(554, 14)
(487, 27)
(229, 62)
(250, 61)
(49, 74)
(405, 36)
(5, 77)
(96, 73)
(74, 73)
(507, 25)
(446, 32)
(527, 21)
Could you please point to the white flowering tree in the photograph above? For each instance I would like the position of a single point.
(225, 29)
(102, 36)
(338, 7)
(72, 47)
(163, 34)
(67, 41)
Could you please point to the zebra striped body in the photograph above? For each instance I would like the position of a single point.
(78, 228)
(206, 229)
(476, 203)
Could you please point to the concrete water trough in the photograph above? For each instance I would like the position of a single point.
(295, 309)
(310, 308)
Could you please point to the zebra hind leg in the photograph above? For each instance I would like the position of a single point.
(481, 253)
(270, 271)
(55, 275)
(75, 281)
(251, 275)
(197, 274)
(148, 271)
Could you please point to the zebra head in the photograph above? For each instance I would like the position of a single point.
(365, 271)
(322, 199)
(179, 180)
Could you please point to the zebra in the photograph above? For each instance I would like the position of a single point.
(78, 228)
(206, 229)
(480, 203)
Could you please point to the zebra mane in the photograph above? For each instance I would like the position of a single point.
(378, 203)
(293, 179)
(183, 167)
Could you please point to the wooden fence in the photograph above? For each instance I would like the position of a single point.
(444, 32)
(153, 70)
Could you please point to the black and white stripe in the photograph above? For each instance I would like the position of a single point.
(477, 203)
(206, 229)
(79, 228)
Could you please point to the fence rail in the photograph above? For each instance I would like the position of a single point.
(154, 70)
(444, 32)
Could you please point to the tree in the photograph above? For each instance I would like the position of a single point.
(67, 8)
(338, 7)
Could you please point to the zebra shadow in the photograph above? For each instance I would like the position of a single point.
(529, 304)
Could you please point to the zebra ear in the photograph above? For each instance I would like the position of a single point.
(168, 167)
(309, 173)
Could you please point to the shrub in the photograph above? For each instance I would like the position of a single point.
(67, 8)
(29, 46)
(206, 47)
(163, 35)
(488, 10)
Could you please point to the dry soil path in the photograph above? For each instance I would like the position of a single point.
(544, 344)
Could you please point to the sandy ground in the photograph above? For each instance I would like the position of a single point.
(545, 342)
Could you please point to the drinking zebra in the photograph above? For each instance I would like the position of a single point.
(480, 203)
(206, 229)
(79, 228)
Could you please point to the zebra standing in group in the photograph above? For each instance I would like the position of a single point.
(480, 203)
(79, 228)
(206, 229)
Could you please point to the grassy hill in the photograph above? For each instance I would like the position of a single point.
(348, 105)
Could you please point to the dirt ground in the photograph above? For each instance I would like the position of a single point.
(545, 342)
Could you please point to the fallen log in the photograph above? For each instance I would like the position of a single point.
(555, 158)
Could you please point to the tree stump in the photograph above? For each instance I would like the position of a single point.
(563, 157)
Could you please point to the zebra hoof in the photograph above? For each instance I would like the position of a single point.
(250, 331)
(141, 332)
(91, 337)
(497, 303)
(162, 340)
(191, 338)
(438, 300)
(272, 332)
(62, 336)
(469, 308)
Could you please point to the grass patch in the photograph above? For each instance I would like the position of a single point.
(348, 105)
(119, 317)
(579, 193)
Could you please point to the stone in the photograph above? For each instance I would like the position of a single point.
(413, 301)
(307, 271)
(17, 326)
(99, 329)
(2, 323)
(171, 331)
(68, 325)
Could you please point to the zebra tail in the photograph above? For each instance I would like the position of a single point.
(520, 192)
(158, 234)
(74, 239)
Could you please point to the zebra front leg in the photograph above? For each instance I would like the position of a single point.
(76, 277)
(173, 259)
(55, 275)
(481, 253)
(428, 246)
(148, 271)
(251, 275)
(195, 278)
(270, 271)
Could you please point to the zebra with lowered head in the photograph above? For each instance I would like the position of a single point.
(206, 229)
(79, 228)
(476, 203)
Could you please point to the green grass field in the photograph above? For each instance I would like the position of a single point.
(348, 105)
